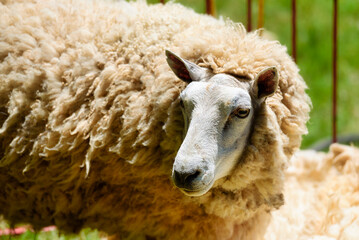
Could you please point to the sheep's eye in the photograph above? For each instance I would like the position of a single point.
(241, 112)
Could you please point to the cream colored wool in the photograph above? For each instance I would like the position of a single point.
(321, 197)
(90, 121)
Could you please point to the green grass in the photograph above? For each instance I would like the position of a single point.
(86, 234)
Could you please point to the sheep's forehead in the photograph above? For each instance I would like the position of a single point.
(229, 80)
(213, 93)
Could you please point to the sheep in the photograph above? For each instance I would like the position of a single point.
(321, 192)
(92, 132)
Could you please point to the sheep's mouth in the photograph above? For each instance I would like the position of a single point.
(197, 192)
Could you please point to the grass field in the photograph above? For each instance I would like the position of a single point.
(314, 60)
(86, 234)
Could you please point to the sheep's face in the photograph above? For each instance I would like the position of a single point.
(218, 110)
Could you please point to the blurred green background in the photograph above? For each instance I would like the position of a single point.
(314, 57)
(314, 53)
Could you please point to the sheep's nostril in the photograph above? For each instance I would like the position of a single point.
(184, 179)
(177, 178)
(192, 177)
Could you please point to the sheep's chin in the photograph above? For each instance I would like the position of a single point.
(197, 193)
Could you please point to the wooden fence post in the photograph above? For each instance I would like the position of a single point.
(210, 7)
(249, 15)
(335, 73)
(260, 14)
(294, 30)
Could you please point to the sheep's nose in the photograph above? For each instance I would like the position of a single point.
(186, 179)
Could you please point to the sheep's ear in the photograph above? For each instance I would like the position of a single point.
(266, 82)
(185, 70)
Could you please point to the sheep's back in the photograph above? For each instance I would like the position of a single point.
(82, 87)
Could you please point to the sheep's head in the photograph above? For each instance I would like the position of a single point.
(218, 111)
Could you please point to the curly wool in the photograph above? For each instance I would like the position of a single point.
(90, 122)
(322, 197)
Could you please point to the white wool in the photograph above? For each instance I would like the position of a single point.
(321, 197)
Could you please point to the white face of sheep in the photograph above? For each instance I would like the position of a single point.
(218, 110)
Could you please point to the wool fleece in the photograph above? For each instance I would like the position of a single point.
(322, 197)
(90, 121)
